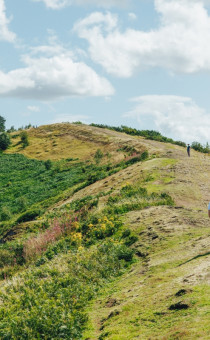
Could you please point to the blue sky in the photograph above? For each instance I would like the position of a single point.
(141, 63)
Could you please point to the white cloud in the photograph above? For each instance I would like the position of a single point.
(58, 4)
(52, 78)
(180, 44)
(132, 16)
(5, 33)
(33, 108)
(174, 116)
(70, 118)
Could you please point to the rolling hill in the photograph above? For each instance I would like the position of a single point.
(103, 235)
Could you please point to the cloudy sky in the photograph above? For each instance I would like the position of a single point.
(140, 63)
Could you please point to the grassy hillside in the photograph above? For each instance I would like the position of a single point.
(103, 245)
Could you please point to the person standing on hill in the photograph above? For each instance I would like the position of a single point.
(209, 209)
(188, 150)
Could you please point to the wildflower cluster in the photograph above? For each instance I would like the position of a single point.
(102, 227)
(38, 244)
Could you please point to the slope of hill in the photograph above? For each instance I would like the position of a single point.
(123, 254)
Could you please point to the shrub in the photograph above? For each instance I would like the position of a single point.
(5, 140)
(98, 156)
(126, 233)
(24, 139)
(144, 155)
(48, 164)
(130, 240)
(124, 253)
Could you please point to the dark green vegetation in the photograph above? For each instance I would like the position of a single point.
(28, 186)
(149, 134)
(154, 135)
(24, 139)
(5, 140)
(2, 124)
(199, 147)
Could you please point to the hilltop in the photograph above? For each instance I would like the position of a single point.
(103, 245)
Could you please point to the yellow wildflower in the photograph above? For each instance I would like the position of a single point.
(79, 236)
(75, 225)
(103, 226)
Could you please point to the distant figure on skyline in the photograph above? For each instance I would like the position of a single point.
(188, 150)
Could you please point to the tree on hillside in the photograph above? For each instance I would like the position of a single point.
(199, 147)
(2, 124)
(24, 139)
(5, 140)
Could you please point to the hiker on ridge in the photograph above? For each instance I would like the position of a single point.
(188, 150)
(209, 209)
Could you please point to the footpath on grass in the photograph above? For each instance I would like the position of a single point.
(166, 293)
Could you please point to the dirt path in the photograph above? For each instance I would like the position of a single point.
(174, 262)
